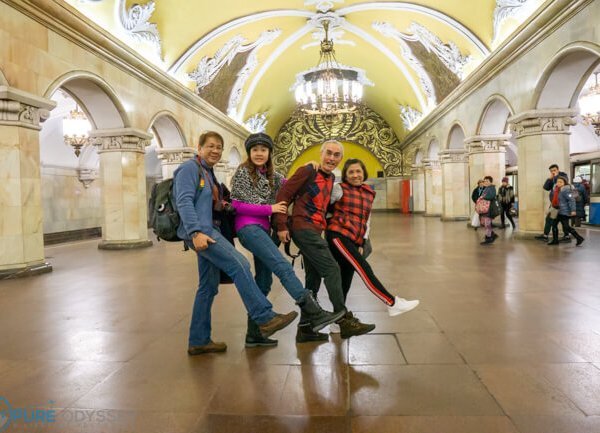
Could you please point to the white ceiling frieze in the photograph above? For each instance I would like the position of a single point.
(410, 116)
(136, 23)
(322, 5)
(336, 33)
(257, 122)
(510, 8)
(388, 30)
(448, 53)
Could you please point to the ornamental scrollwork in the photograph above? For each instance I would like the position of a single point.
(363, 127)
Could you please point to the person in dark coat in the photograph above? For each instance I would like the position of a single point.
(477, 191)
(549, 185)
(562, 199)
(506, 198)
(489, 193)
(580, 201)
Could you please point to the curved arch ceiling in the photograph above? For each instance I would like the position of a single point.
(243, 56)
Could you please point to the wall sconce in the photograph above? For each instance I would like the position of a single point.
(76, 128)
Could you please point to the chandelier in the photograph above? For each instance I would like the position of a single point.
(589, 105)
(76, 128)
(328, 89)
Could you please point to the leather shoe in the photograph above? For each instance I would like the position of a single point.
(211, 347)
(278, 322)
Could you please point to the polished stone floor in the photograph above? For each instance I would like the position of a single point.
(506, 340)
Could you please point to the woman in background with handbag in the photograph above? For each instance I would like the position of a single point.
(487, 208)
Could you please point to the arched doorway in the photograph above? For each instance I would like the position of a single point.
(455, 176)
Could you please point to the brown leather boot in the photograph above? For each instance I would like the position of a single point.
(278, 322)
(211, 347)
(350, 326)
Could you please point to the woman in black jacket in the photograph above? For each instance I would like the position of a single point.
(489, 194)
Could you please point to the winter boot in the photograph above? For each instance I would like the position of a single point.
(305, 334)
(312, 312)
(487, 240)
(350, 326)
(579, 238)
(255, 339)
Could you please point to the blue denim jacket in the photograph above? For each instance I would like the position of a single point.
(193, 199)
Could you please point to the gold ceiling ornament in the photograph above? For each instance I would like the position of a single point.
(590, 105)
(76, 129)
(365, 128)
(328, 89)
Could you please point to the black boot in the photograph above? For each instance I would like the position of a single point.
(305, 334)
(579, 238)
(554, 241)
(255, 339)
(312, 312)
(487, 240)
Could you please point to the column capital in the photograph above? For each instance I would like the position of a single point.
(120, 140)
(487, 143)
(23, 109)
(175, 156)
(454, 156)
(431, 164)
(416, 168)
(544, 121)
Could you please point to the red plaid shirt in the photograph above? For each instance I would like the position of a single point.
(351, 212)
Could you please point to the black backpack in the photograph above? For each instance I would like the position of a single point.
(164, 218)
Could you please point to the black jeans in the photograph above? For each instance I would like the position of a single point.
(564, 220)
(350, 259)
(506, 207)
(319, 263)
(549, 221)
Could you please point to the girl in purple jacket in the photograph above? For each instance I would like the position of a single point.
(253, 189)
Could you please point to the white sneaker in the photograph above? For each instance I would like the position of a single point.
(402, 306)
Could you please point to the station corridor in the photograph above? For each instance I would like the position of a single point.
(506, 340)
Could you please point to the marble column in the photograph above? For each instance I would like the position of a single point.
(455, 185)
(21, 226)
(542, 140)
(123, 177)
(170, 159)
(433, 187)
(418, 188)
(487, 157)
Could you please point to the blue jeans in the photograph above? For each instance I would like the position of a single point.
(222, 255)
(268, 260)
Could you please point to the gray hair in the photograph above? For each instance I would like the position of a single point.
(325, 143)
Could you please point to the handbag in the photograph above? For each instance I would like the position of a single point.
(482, 206)
(494, 209)
(475, 220)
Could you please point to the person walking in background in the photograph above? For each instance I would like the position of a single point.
(477, 191)
(197, 194)
(253, 190)
(506, 197)
(549, 185)
(581, 199)
(563, 200)
(347, 230)
(486, 217)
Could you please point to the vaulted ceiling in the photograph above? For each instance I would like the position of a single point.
(243, 56)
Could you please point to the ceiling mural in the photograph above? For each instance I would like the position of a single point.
(245, 58)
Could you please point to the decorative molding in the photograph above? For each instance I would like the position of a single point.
(487, 143)
(336, 33)
(86, 176)
(454, 156)
(416, 169)
(120, 140)
(19, 108)
(322, 5)
(364, 127)
(410, 116)
(538, 122)
(389, 31)
(448, 53)
(509, 8)
(209, 67)
(265, 38)
(175, 156)
(431, 164)
(257, 122)
(136, 23)
(423, 10)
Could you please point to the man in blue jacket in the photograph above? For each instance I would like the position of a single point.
(549, 186)
(197, 194)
